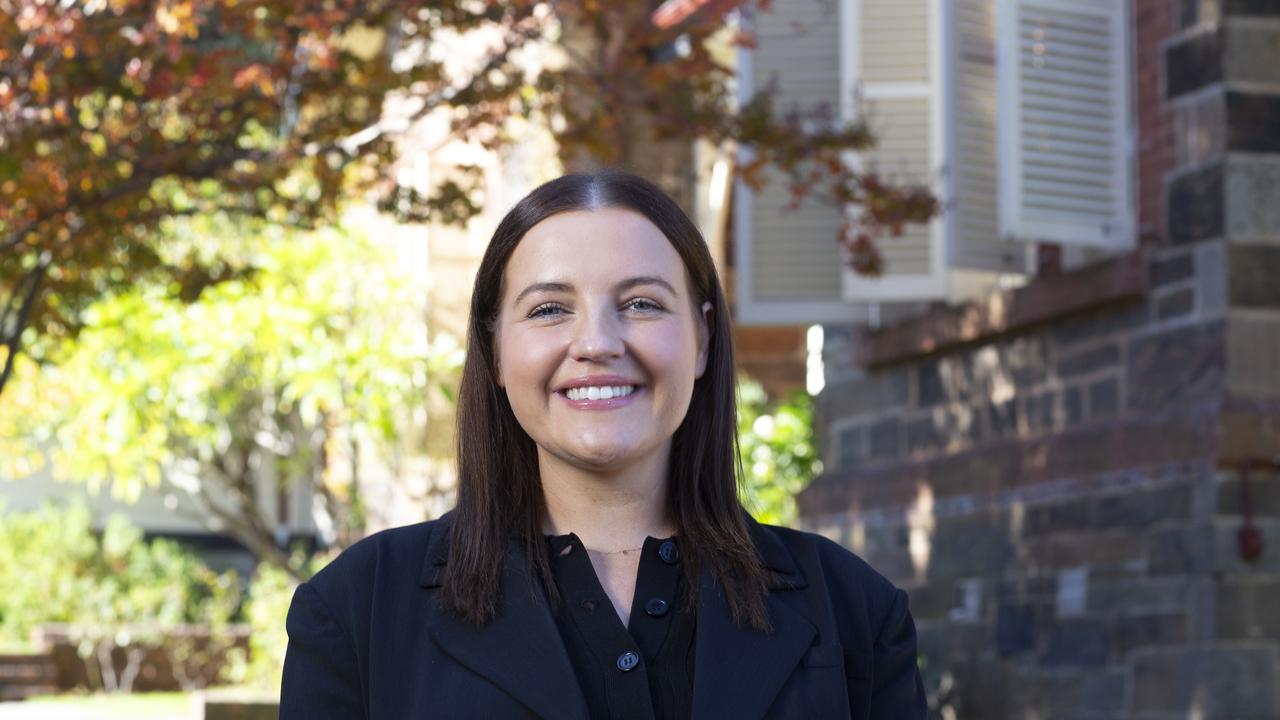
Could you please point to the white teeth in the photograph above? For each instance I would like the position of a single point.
(602, 392)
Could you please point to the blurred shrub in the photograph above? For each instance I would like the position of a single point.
(778, 455)
(269, 598)
(270, 593)
(115, 591)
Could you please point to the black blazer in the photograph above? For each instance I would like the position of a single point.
(368, 640)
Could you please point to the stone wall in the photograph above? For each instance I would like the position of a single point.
(180, 658)
(1081, 497)
(1050, 499)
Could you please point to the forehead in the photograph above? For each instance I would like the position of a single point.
(582, 246)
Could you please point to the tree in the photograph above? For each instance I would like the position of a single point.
(116, 115)
(197, 399)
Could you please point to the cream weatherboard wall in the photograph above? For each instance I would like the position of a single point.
(890, 74)
(788, 264)
(168, 509)
(1005, 150)
(971, 103)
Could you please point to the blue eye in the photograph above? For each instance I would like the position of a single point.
(546, 310)
(644, 305)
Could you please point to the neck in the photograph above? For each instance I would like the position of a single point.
(607, 510)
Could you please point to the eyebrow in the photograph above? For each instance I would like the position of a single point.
(620, 287)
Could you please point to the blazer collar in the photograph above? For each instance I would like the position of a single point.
(520, 650)
(437, 555)
(737, 670)
(774, 555)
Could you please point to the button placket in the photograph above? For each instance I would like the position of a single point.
(601, 639)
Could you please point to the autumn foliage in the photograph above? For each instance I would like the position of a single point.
(118, 115)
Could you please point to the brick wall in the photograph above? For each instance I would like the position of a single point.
(1063, 488)
(1153, 22)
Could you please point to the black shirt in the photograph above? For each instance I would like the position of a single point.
(643, 670)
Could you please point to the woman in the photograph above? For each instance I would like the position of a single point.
(598, 562)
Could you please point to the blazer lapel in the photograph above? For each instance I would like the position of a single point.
(738, 671)
(520, 650)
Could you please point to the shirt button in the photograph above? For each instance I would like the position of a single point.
(656, 607)
(669, 553)
(627, 661)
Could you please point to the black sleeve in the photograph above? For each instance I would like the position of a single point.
(321, 676)
(897, 690)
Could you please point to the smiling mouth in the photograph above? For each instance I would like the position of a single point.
(599, 392)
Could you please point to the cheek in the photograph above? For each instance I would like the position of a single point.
(528, 360)
(670, 354)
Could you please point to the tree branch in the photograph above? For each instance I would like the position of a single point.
(431, 101)
(12, 337)
(261, 544)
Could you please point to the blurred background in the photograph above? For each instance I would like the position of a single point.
(1003, 272)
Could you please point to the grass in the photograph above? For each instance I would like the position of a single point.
(17, 648)
(143, 706)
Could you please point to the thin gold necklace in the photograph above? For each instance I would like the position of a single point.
(623, 551)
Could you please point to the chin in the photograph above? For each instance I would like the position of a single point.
(602, 458)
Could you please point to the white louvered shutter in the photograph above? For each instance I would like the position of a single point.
(974, 238)
(787, 263)
(891, 75)
(1064, 154)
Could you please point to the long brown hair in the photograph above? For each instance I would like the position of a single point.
(499, 490)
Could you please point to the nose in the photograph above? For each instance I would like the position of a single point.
(596, 337)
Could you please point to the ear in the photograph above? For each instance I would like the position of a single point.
(704, 339)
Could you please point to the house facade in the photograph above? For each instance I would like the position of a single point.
(1055, 419)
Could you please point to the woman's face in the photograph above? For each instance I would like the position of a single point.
(598, 342)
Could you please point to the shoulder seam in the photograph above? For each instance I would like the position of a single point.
(346, 637)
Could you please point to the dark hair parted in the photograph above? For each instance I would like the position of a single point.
(499, 490)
